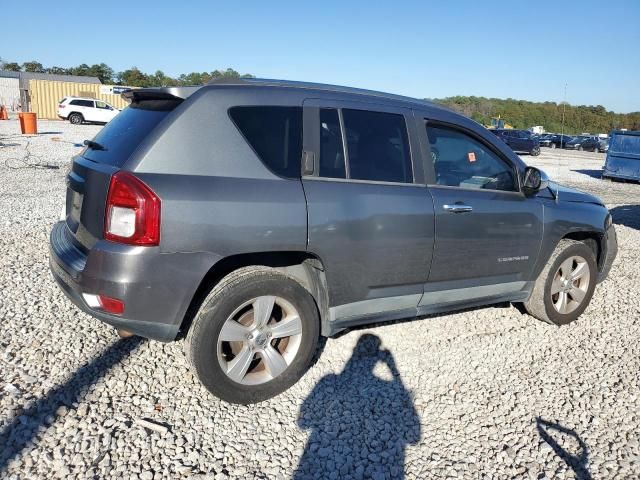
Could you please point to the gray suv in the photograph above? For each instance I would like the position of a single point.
(252, 217)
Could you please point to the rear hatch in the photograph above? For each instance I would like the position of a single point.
(91, 171)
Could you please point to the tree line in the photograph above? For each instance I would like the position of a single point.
(132, 77)
(523, 114)
(518, 113)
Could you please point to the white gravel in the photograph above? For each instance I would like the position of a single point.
(485, 393)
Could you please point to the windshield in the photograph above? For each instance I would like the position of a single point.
(122, 135)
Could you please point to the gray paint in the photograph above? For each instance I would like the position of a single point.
(385, 250)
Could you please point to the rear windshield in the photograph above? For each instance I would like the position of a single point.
(122, 135)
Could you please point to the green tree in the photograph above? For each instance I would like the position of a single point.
(58, 70)
(103, 71)
(33, 66)
(12, 67)
(133, 77)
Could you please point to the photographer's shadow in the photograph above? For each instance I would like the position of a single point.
(360, 422)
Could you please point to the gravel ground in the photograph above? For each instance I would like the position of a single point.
(484, 393)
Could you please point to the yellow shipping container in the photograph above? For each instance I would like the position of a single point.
(45, 95)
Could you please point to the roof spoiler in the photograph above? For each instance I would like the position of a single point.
(168, 93)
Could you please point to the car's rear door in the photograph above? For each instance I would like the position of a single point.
(90, 113)
(488, 233)
(370, 218)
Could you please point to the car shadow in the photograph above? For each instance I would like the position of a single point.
(43, 412)
(627, 215)
(591, 173)
(553, 434)
(361, 420)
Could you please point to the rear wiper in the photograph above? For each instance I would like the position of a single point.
(94, 145)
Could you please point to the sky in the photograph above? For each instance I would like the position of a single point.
(423, 49)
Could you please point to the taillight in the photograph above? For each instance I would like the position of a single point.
(132, 215)
(61, 106)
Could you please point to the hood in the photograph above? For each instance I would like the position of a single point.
(568, 194)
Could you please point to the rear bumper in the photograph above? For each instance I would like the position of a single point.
(610, 250)
(156, 287)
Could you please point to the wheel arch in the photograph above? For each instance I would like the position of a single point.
(305, 268)
(593, 240)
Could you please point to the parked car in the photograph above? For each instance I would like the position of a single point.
(250, 217)
(518, 140)
(590, 144)
(623, 156)
(574, 143)
(603, 145)
(545, 140)
(78, 110)
(558, 141)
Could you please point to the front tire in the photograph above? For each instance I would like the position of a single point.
(254, 335)
(553, 145)
(565, 286)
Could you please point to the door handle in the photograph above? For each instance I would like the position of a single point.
(458, 208)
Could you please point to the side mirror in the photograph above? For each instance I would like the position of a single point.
(534, 181)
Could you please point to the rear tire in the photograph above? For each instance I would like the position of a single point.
(580, 148)
(76, 118)
(228, 344)
(570, 274)
(535, 151)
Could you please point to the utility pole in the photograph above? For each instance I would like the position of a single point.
(564, 107)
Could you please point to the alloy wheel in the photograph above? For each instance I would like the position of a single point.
(570, 284)
(259, 340)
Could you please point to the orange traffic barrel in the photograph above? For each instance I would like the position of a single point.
(28, 123)
(3, 113)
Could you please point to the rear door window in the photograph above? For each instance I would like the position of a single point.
(377, 146)
(122, 135)
(275, 134)
(82, 103)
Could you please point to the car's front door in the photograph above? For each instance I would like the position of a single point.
(104, 111)
(370, 219)
(488, 233)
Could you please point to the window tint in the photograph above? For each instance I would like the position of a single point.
(462, 161)
(122, 135)
(331, 148)
(82, 103)
(102, 105)
(378, 146)
(275, 133)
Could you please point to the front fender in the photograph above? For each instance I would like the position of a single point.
(569, 219)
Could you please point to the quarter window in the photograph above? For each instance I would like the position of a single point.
(462, 161)
(378, 146)
(331, 148)
(275, 134)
